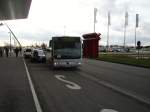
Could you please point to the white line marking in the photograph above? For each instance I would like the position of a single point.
(70, 85)
(138, 98)
(36, 101)
(108, 110)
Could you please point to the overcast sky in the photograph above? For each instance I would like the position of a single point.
(49, 18)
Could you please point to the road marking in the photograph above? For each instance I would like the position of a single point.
(108, 110)
(70, 85)
(35, 98)
(125, 92)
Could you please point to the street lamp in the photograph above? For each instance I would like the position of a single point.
(10, 41)
(1, 24)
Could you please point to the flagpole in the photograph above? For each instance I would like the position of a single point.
(95, 12)
(125, 25)
(94, 25)
(108, 31)
(135, 37)
(124, 44)
(94, 20)
(108, 38)
(136, 25)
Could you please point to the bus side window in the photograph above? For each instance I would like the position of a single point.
(50, 43)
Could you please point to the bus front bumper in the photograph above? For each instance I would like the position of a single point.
(66, 64)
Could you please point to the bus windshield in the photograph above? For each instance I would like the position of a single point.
(67, 48)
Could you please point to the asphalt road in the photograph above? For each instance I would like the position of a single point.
(95, 86)
(130, 78)
(15, 93)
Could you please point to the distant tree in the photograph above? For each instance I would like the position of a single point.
(147, 47)
(37, 46)
(6, 44)
(43, 46)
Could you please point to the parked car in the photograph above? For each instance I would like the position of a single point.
(27, 53)
(38, 55)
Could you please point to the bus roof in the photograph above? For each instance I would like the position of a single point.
(66, 37)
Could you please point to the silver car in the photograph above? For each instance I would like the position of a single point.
(38, 55)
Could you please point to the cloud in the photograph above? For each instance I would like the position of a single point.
(75, 17)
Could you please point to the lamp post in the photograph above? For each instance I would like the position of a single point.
(1, 24)
(10, 41)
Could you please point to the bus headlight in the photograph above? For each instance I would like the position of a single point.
(79, 63)
(55, 63)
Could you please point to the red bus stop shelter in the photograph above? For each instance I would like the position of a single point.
(90, 45)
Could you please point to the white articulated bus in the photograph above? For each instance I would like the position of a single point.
(66, 51)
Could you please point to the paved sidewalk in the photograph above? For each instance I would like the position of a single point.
(15, 93)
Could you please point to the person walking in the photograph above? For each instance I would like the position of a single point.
(6, 51)
(16, 51)
(20, 51)
(1, 52)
